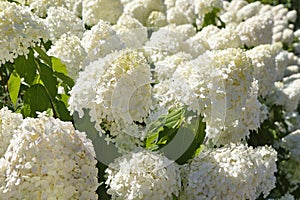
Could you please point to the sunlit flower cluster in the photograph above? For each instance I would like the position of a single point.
(20, 29)
(48, 159)
(60, 20)
(230, 172)
(291, 167)
(69, 50)
(143, 175)
(116, 90)
(9, 122)
(233, 64)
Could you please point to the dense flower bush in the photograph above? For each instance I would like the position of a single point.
(149, 99)
(47, 159)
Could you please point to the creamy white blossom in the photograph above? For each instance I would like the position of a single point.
(234, 171)
(49, 159)
(40, 7)
(256, 30)
(132, 33)
(19, 30)
(222, 38)
(69, 50)
(290, 167)
(143, 175)
(287, 92)
(9, 122)
(156, 19)
(203, 7)
(60, 20)
(165, 41)
(116, 90)
(180, 12)
(100, 41)
(236, 81)
(106, 10)
(142, 9)
(165, 68)
(292, 143)
(264, 60)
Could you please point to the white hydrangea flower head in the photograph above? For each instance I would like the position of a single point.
(143, 175)
(181, 12)
(106, 10)
(40, 7)
(254, 110)
(188, 30)
(156, 19)
(292, 143)
(100, 41)
(229, 15)
(9, 122)
(236, 69)
(291, 167)
(287, 92)
(264, 60)
(238, 11)
(49, 159)
(141, 9)
(203, 7)
(165, 41)
(283, 31)
(165, 68)
(117, 91)
(60, 20)
(132, 33)
(234, 171)
(223, 39)
(186, 85)
(248, 11)
(14, 20)
(256, 30)
(198, 44)
(75, 6)
(69, 50)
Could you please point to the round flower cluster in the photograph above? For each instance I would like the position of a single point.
(20, 29)
(132, 33)
(96, 10)
(69, 50)
(287, 92)
(100, 41)
(60, 20)
(143, 175)
(40, 7)
(234, 171)
(116, 90)
(9, 122)
(291, 167)
(48, 159)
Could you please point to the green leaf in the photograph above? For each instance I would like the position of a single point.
(163, 129)
(14, 84)
(187, 141)
(60, 70)
(36, 99)
(43, 55)
(212, 18)
(50, 82)
(66, 79)
(26, 68)
(63, 112)
(58, 66)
